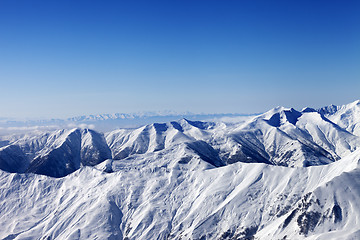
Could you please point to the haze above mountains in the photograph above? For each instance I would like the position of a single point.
(283, 174)
(105, 122)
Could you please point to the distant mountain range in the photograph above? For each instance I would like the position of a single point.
(283, 174)
(107, 122)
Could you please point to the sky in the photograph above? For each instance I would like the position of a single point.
(67, 58)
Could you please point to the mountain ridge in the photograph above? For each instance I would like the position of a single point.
(281, 136)
(283, 174)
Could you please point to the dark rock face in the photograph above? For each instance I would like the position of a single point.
(337, 213)
(246, 234)
(289, 218)
(307, 221)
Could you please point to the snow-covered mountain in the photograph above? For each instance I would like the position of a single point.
(104, 122)
(115, 116)
(346, 116)
(56, 154)
(283, 174)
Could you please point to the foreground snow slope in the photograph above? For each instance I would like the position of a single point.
(162, 196)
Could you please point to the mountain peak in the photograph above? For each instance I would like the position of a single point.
(197, 124)
(355, 103)
(281, 115)
(308, 109)
(328, 110)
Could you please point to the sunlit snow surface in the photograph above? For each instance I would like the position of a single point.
(188, 180)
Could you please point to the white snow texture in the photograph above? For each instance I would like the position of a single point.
(284, 174)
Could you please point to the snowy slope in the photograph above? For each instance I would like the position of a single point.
(346, 116)
(284, 174)
(161, 196)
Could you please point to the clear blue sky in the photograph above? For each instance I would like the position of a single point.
(71, 57)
